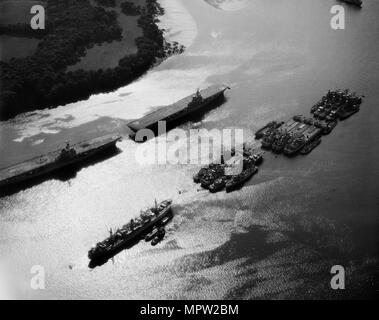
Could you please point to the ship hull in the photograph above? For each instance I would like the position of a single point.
(230, 187)
(217, 188)
(347, 114)
(50, 167)
(310, 147)
(291, 152)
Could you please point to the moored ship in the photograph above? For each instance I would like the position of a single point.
(299, 141)
(178, 110)
(239, 180)
(56, 160)
(131, 232)
(271, 126)
(219, 184)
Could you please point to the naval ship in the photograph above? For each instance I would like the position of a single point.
(178, 110)
(132, 231)
(55, 160)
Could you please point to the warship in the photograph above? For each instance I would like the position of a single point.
(237, 181)
(256, 159)
(299, 141)
(271, 126)
(203, 172)
(215, 177)
(53, 161)
(347, 111)
(132, 231)
(219, 184)
(178, 110)
(274, 140)
(302, 134)
(269, 140)
(210, 177)
(279, 145)
(295, 145)
(336, 105)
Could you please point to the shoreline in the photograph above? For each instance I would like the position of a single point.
(80, 85)
(179, 25)
(126, 102)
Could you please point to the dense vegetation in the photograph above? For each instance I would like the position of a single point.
(106, 3)
(130, 8)
(21, 30)
(41, 80)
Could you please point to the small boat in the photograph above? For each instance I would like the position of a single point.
(203, 172)
(219, 184)
(198, 176)
(257, 158)
(211, 177)
(295, 145)
(150, 236)
(347, 112)
(299, 118)
(237, 181)
(267, 129)
(159, 237)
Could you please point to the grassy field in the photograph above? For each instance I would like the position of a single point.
(107, 55)
(86, 49)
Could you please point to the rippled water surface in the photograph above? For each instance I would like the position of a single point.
(277, 237)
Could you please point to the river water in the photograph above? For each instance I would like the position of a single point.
(280, 235)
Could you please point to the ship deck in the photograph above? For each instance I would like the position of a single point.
(164, 112)
(49, 158)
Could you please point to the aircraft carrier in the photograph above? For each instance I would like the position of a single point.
(55, 160)
(178, 110)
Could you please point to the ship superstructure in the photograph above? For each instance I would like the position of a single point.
(178, 110)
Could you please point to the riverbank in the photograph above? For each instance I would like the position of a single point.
(42, 81)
